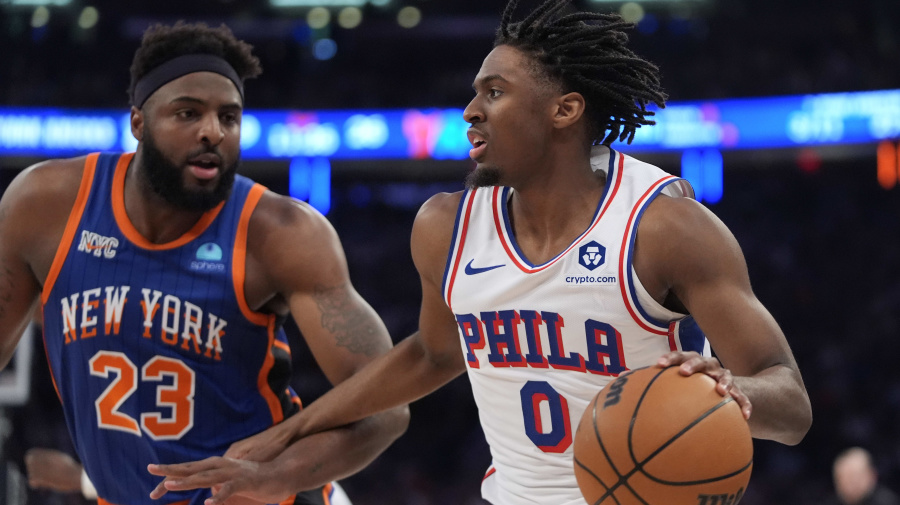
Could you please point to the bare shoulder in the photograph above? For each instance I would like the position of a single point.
(292, 245)
(277, 214)
(41, 197)
(48, 181)
(681, 222)
(444, 203)
(437, 215)
(433, 232)
(679, 238)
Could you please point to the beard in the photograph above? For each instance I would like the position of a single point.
(483, 177)
(166, 179)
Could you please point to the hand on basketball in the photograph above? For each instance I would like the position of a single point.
(692, 362)
(227, 477)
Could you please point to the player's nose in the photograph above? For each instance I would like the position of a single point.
(473, 112)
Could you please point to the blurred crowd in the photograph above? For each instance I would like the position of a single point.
(706, 48)
(822, 246)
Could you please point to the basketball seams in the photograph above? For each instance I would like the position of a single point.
(640, 465)
(634, 415)
(623, 480)
(598, 479)
(684, 430)
(704, 481)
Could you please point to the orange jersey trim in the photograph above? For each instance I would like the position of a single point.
(284, 347)
(239, 257)
(127, 227)
(326, 493)
(101, 501)
(262, 381)
(239, 275)
(87, 179)
(62, 251)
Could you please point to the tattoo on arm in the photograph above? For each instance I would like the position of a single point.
(351, 325)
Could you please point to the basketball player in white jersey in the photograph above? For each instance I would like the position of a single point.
(561, 267)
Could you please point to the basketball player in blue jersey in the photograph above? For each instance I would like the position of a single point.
(164, 278)
(565, 264)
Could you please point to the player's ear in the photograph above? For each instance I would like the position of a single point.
(568, 109)
(137, 123)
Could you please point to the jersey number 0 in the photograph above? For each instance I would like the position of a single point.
(559, 437)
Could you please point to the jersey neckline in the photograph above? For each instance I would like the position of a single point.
(504, 225)
(127, 227)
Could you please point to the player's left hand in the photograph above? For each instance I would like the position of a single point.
(227, 477)
(692, 362)
(264, 446)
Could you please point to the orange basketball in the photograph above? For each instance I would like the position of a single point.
(655, 437)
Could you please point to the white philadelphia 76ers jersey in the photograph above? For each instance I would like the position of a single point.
(541, 340)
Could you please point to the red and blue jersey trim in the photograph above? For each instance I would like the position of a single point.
(638, 313)
(504, 226)
(454, 256)
(686, 335)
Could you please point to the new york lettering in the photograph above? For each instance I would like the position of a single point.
(178, 323)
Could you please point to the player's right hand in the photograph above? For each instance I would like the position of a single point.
(692, 362)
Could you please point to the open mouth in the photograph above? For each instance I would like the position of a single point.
(478, 150)
(205, 166)
(479, 144)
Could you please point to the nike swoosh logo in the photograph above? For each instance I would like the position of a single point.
(91, 247)
(470, 270)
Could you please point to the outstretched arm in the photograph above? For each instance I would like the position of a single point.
(684, 250)
(415, 367)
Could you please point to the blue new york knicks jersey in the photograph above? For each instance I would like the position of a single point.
(155, 354)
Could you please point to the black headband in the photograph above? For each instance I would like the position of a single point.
(181, 66)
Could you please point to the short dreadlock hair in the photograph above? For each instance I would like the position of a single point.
(586, 52)
(162, 43)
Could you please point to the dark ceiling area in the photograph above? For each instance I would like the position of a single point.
(706, 49)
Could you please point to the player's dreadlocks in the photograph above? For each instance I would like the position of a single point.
(163, 43)
(585, 52)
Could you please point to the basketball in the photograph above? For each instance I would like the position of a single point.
(655, 437)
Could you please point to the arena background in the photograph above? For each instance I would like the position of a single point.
(819, 229)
